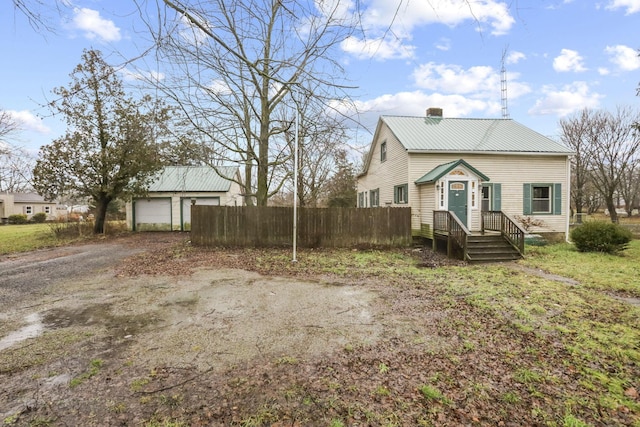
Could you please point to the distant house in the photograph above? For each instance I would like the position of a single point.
(467, 167)
(167, 205)
(29, 204)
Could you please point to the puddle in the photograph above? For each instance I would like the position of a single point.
(33, 328)
(118, 326)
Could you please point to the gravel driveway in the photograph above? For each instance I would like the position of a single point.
(209, 319)
(25, 275)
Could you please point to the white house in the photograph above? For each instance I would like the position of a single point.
(467, 166)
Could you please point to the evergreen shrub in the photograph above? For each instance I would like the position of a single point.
(601, 236)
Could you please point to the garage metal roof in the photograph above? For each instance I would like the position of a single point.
(469, 135)
(193, 179)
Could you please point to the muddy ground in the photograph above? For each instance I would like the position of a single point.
(145, 330)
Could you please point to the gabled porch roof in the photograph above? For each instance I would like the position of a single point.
(439, 171)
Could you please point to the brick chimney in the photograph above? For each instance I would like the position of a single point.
(434, 112)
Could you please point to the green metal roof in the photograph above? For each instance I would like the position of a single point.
(469, 135)
(193, 179)
(443, 169)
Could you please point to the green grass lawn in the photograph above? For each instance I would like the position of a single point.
(29, 237)
(26, 237)
(592, 322)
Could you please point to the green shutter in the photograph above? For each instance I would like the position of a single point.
(497, 197)
(395, 195)
(557, 199)
(406, 193)
(526, 199)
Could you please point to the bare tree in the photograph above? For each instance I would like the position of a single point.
(630, 188)
(39, 12)
(320, 135)
(575, 135)
(15, 170)
(607, 149)
(8, 128)
(231, 64)
(615, 148)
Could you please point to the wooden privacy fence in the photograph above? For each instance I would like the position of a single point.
(317, 227)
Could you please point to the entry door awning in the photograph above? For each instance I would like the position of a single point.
(441, 170)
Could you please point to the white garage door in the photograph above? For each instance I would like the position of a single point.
(153, 214)
(186, 209)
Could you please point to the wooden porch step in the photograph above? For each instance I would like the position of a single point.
(490, 248)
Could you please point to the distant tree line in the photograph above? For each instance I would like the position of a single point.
(606, 161)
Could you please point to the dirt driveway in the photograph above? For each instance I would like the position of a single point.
(68, 313)
(146, 330)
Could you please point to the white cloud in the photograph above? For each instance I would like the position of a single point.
(478, 81)
(632, 6)
(401, 17)
(94, 26)
(624, 57)
(443, 44)
(26, 120)
(404, 15)
(136, 75)
(515, 57)
(415, 104)
(192, 33)
(379, 49)
(603, 71)
(569, 99)
(568, 60)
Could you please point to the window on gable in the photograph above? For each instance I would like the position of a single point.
(383, 152)
(374, 196)
(401, 194)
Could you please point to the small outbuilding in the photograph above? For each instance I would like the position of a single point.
(167, 204)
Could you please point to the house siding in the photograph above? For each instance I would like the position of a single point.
(388, 174)
(511, 171)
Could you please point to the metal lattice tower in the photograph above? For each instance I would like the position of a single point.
(503, 86)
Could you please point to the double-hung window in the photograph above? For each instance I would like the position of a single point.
(542, 199)
(374, 198)
(401, 194)
(383, 152)
(491, 197)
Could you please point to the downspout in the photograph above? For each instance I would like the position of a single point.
(568, 204)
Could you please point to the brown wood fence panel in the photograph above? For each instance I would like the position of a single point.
(317, 227)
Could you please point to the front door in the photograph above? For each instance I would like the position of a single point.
(458, 200)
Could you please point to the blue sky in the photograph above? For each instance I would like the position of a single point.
(561, 56)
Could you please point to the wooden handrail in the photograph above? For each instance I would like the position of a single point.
(508, 228)
(446, 222)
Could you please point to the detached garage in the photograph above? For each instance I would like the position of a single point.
(177, 188)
